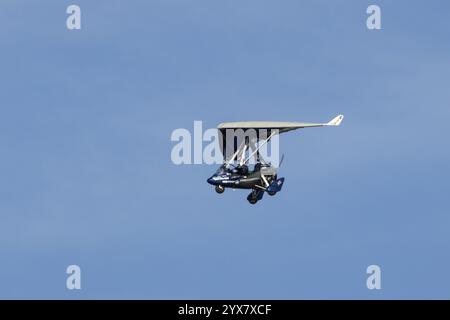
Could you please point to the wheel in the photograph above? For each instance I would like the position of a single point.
(253, 200)
(272, 193)
(220, 189)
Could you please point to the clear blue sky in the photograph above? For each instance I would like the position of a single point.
(86, 175)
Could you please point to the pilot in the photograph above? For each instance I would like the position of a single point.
(243, 169)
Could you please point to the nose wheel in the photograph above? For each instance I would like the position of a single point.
(220, 189)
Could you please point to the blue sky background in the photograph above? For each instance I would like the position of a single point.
(86, 175)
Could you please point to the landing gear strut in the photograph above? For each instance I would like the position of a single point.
(220, 189)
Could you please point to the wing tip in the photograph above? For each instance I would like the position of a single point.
(336, 120)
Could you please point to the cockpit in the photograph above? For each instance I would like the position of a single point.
(238, 170)
(221, 170)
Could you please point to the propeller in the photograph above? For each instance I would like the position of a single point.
(279, 164)
(281, 161)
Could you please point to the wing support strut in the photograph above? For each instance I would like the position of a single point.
(260, 145)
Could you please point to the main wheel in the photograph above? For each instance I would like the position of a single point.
(253, 200)
(220, 189)
(272, 193)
